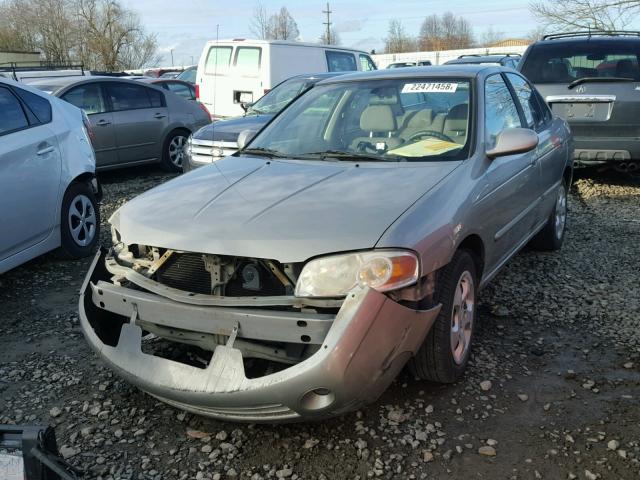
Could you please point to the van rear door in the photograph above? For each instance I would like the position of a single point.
(247, 87)
(214, 79)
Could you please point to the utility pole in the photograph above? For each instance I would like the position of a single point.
(172, 57)
(328, 24)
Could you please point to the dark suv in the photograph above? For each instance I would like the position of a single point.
(592, 79)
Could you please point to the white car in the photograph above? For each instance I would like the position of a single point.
(48, 189)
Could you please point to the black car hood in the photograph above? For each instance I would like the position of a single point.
(228, 130)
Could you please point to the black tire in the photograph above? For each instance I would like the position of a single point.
(550, 238)
(79, 198)
(435, 359)
(169, 162)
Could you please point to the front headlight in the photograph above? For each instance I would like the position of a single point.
(335, 276)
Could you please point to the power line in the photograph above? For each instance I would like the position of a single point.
(328, 24)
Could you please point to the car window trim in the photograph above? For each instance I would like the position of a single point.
(105, 99)
(524, 117)
(163, 103)
(19, 100)
(516, 100)
(28, 111)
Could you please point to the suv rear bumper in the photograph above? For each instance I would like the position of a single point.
(369, 341)
(599, 151)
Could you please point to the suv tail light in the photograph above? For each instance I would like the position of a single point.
(87, 127)
(197, 92)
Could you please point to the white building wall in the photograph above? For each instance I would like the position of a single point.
(438, 58)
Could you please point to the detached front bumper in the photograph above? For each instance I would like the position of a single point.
(365, 346)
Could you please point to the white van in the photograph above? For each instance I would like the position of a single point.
(232, 72)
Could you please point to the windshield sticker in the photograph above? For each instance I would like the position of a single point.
(427, 147)
(429, 87)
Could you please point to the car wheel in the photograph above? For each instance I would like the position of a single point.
(173, 151)
(445, 352)
(552, 234)
(79, 221)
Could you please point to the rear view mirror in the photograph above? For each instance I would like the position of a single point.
(513, 140)
(246, 106)
(245, 137)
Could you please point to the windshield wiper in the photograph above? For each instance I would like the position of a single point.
(262, 152)
(340, 155)
(579, 81)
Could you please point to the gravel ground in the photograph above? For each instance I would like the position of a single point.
(552, 391)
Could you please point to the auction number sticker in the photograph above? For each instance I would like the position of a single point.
(429, 87)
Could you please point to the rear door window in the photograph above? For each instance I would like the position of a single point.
(13, 117)
(181, 89)
(40, 107)
(500, 109)
(125, 96)
(341, 61)
(218, 60)
(88, 97)
(155, 97)
(564, 63)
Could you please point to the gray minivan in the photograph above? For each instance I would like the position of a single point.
(592, 79)
(132, 123)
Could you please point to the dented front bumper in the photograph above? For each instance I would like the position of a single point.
(361, 349)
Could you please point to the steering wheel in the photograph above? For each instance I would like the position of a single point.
(429, 133)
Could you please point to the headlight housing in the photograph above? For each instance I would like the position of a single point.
(336, 275)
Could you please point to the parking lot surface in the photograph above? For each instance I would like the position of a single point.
(552, 390)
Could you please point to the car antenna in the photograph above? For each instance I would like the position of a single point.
(215, 92)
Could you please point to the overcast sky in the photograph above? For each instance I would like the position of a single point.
(185, 25)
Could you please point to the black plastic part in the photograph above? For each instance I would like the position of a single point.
(37, 444)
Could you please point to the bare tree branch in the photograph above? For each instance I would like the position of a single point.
(585, 14)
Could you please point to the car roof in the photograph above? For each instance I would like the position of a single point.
(58, 83)
(153, 80)
(570, 38)
(480, 58)
(314, 76)
(458, 71)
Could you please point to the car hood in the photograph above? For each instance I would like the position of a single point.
(284, 210)
(228, 130)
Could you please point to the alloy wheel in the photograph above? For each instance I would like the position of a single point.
(462, 317)
(560, 212)
(176, 150)
(82, 220)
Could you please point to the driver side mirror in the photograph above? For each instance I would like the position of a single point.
(245, 137)
(513, 140)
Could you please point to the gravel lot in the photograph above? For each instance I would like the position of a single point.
(552, 392)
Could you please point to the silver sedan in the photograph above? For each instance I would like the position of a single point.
(352, 235)
(132, 123)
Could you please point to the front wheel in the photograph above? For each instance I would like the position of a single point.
(173, 151)
(79, 221)
(552, 234)
(445, 352)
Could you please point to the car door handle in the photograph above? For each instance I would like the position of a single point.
(45, 150)
(159, 115)
(102, 123)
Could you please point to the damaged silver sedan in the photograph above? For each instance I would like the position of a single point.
(296, 278)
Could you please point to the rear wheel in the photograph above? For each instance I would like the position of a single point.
(79, 221)
(445, 352)
(173, 151)
(552, 234)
